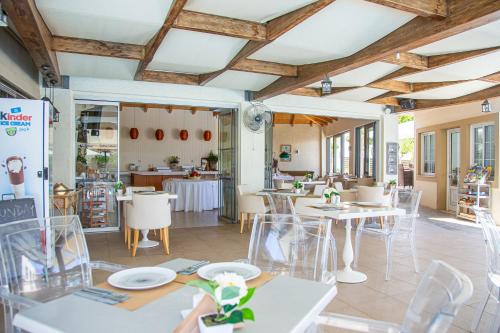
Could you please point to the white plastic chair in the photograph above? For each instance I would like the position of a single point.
(319, 189)
(280, 203)
(492, 240)
(338, 186)
(249, 203)
(149, 212)
(403, 228)
(302, 202)
(439, 296)
(130, 190)
(42, 260)
(370, 194)
(293, 245)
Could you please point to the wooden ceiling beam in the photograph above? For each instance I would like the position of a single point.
(265, 67)
(167, 107)
(97, 48)
(493, 78)
(292, 119)
(314, 120)
(426, 8)
(306, 91)
(169, 77)
(155, 42)
(463, 16)
(451, 58)
(406, 59)
(35, 35)
(393, 85)
(220, 25)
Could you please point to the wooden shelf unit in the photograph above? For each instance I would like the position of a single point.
(470, 195)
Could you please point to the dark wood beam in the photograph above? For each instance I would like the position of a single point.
(97, 48)
(493, 78)
(407, 59)
(155, 42)
(393, 85)
(310, 92)
(35, 36)
(463, 16)
(265, 67)
(432, 8)
(168, 77)
(451, 58)
(220, 25)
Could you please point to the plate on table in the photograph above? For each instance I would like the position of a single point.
(368, 204)
(141, 278)
(247, 271)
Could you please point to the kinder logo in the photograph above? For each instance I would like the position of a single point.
(14, 118)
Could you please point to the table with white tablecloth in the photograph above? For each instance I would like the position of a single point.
(193, 194)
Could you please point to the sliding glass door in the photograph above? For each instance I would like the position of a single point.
(366, 151)
(227, 164)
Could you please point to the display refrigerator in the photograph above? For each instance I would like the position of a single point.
(25, 127)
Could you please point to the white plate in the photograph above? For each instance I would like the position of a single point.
(247, 271)
(368, 204)
(142, 278)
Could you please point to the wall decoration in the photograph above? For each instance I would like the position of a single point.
(392, 158)
(285, 153)
(183, 135)
(134, 133)
(159, 134)
(207, 135)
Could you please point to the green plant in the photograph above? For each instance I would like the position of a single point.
(406, 145)
(173, 159)
(230, 293)
(118, 185)
(212, 157)
(297, 185)
(393, 182)
(81, 159)
(405, 118)
(330, 193)
(101, 159)
(309, 175)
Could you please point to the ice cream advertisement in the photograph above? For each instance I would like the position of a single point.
(23, 150)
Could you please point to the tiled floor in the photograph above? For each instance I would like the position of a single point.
(460, 245)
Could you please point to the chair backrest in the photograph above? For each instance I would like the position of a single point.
(280, 203)
(293, 245)
(492, 239)
(302, 202)
(408, 200)
(365, 181)
(338, 186)
(318, 189)
(250, 203)
(149, 211)
(245, 189)
(43, 259)
(371, 193)
(439, 295)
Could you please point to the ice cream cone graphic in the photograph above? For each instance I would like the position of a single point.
(15, 170)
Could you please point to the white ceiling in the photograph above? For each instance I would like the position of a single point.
(242, 80)
(339, 30)
(482, 37)
(100, 67)
(359, 94)
(254, 10)
(453, 91)
(194, 52)
(466, 70)
(123, 21)
(361, 76)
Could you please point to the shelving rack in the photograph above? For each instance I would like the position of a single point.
(470, 195)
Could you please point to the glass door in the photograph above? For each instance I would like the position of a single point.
(268, 177)
(97, 164)
(453, 169)
(227, 164)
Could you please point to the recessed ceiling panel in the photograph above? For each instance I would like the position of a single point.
(453, 91)
(466, 70)
(194, 52)
(358, 94)
(479, 38)
(242, 80)
(339, 30)
(361, 76)
(254, 10)
(100, 67)
(123, 21)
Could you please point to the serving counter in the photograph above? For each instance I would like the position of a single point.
(156, 178)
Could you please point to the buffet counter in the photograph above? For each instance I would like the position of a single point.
(156, 178)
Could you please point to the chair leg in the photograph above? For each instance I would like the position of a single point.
(166, 240)
(479, 313)
(125, 232)
(161, 234)
(129, 236)
(414, 252)
(242, 221)
(381, 220)
(136, 241)
(388, 248)
(249, 219)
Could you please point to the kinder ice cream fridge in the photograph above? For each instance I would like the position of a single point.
(24, 155)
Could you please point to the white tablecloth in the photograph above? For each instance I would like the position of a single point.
(193, 195)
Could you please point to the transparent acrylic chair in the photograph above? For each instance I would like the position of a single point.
(41, 260)
(293, 245)
(280, 203)
(439, 295)
(403, 228)
(492, 240)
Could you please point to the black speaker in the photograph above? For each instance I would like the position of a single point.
(407, 104)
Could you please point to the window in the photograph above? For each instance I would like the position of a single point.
(341, 154)
(428, 153)
(329, 155)
(483, 146)
(366, 148)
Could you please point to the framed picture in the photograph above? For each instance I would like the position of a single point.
(285, 153)
(204, 164)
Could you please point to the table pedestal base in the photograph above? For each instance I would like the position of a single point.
(145, 242)
(350, 276)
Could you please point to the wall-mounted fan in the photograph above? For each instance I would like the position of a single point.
(258, 117)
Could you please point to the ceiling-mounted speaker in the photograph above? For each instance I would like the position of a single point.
(407, 104)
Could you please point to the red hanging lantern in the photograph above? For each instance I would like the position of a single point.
(183, 134)
(207, 135)
(134, 133)
(159, 135)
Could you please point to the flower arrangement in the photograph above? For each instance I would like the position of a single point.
(309, 176)
(330, 193)
(118, 186)
(297, 185)
(230, 293)
(477, 174)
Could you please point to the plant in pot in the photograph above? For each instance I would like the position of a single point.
(297, 185)
(308, 176)
(101, 161)
(331, 195)
(173, 161)
(119, 187)
(230, 293)
(392, 183)
(212, 159)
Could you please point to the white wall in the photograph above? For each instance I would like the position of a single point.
(305, 139)
(146, 150)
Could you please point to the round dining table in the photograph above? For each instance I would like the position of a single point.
(193, 195)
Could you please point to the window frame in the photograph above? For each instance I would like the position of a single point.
(472, 142)
(362, 163)
(342, 136)
(422, 154)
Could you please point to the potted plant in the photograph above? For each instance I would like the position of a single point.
(230, 293)
(101, 161)
(173, 161)
(212, 159)
(297, 185)
(392, 184)
(308, 176)
(119, 187)
(331, 195)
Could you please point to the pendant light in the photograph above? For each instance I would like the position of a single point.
(326, 86)
(159, 134)
(134, 132)
(207, 135)
(486, 106)
(184, 134)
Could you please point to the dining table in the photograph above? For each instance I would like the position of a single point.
(193, 195)
(281, 304)
(347, 212)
